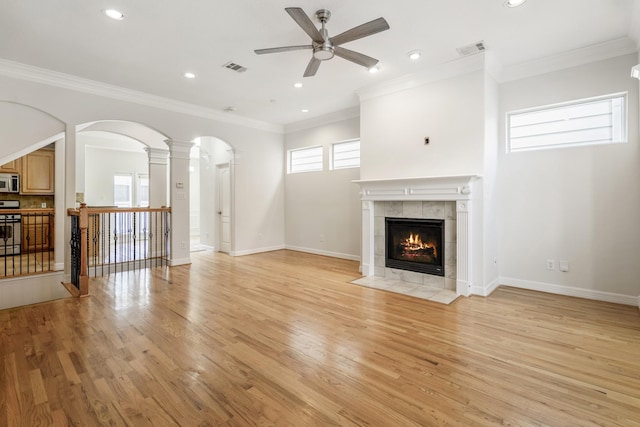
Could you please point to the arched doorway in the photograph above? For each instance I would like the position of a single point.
(114, 165)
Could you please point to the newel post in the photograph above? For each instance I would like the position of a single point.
(84, 270)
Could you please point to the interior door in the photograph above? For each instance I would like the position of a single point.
(224, 207)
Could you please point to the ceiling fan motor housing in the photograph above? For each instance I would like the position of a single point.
(323, 51)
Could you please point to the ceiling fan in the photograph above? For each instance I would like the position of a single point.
(325, 47)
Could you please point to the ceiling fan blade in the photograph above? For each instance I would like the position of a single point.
(313, 66)
(358, 58)
(282, 49)
(305, 23)
(364, 30)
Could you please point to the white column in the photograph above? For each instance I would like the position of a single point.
(367, 259)
(179, 198)
(158, 165)
(66, 198)
(463, 252)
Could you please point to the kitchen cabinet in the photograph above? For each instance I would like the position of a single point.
(37, 233)
(11, 167)
(38, 172)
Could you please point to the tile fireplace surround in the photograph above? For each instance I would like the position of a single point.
(420, 198)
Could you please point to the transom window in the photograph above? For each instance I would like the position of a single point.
(307, 159)
(599, 120)
(345, 154)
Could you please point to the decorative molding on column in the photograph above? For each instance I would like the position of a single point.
(463, 247)
(179, 149)
(157, 156)
(368, 236)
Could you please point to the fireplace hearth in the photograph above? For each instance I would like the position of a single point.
(415, 245)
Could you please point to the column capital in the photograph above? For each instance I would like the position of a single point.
(157, 156)
(179, 149)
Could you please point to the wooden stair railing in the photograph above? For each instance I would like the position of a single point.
(105, 240)
(79, 285)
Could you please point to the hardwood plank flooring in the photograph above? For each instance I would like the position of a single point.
(26, 264)
(283, 339)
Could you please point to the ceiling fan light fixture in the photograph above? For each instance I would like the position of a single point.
(323, 53)
(114, 14)
(514, 3)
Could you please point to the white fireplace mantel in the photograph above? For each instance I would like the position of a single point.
(442, 188)
(424, 188)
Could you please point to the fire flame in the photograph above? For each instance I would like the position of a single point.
(414, 243)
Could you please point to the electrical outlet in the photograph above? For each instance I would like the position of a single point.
(551, 264)
(183, 245)
(322, 237)
(43, 205)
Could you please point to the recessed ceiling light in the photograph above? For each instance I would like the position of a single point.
(304, 110)
(189, 75)
(374, 69)
(297, 85)
(414, 55)
(114, 14)
(514, 3)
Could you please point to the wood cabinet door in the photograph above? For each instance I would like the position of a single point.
(36, 235)
(11, 167)
(38, 172)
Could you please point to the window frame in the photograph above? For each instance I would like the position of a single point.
(622, 122)
(332, 157)
(290, 166)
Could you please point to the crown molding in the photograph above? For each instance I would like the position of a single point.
(337, 116)
(568, 59)
(17, 70)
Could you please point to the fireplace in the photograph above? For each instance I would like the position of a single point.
(415, 244)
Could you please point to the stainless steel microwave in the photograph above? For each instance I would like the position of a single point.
(9, 183)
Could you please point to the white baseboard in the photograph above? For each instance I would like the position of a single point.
(570, 291)
(25, 290)
(324, 253)
(487, 290)
(256, 251)
(181, 261)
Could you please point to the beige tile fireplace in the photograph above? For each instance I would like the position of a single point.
(449, 198)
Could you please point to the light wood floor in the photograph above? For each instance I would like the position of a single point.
(25, 264)
(282, 339)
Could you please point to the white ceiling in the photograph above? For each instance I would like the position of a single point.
(159, 40)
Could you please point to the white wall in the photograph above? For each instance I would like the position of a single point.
(575, 204)
(322, 209)
(491, 215)
(100, 167)
(449, 112)
(19, 135)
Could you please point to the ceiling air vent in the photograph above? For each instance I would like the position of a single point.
(235, 67)
(471, 49)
